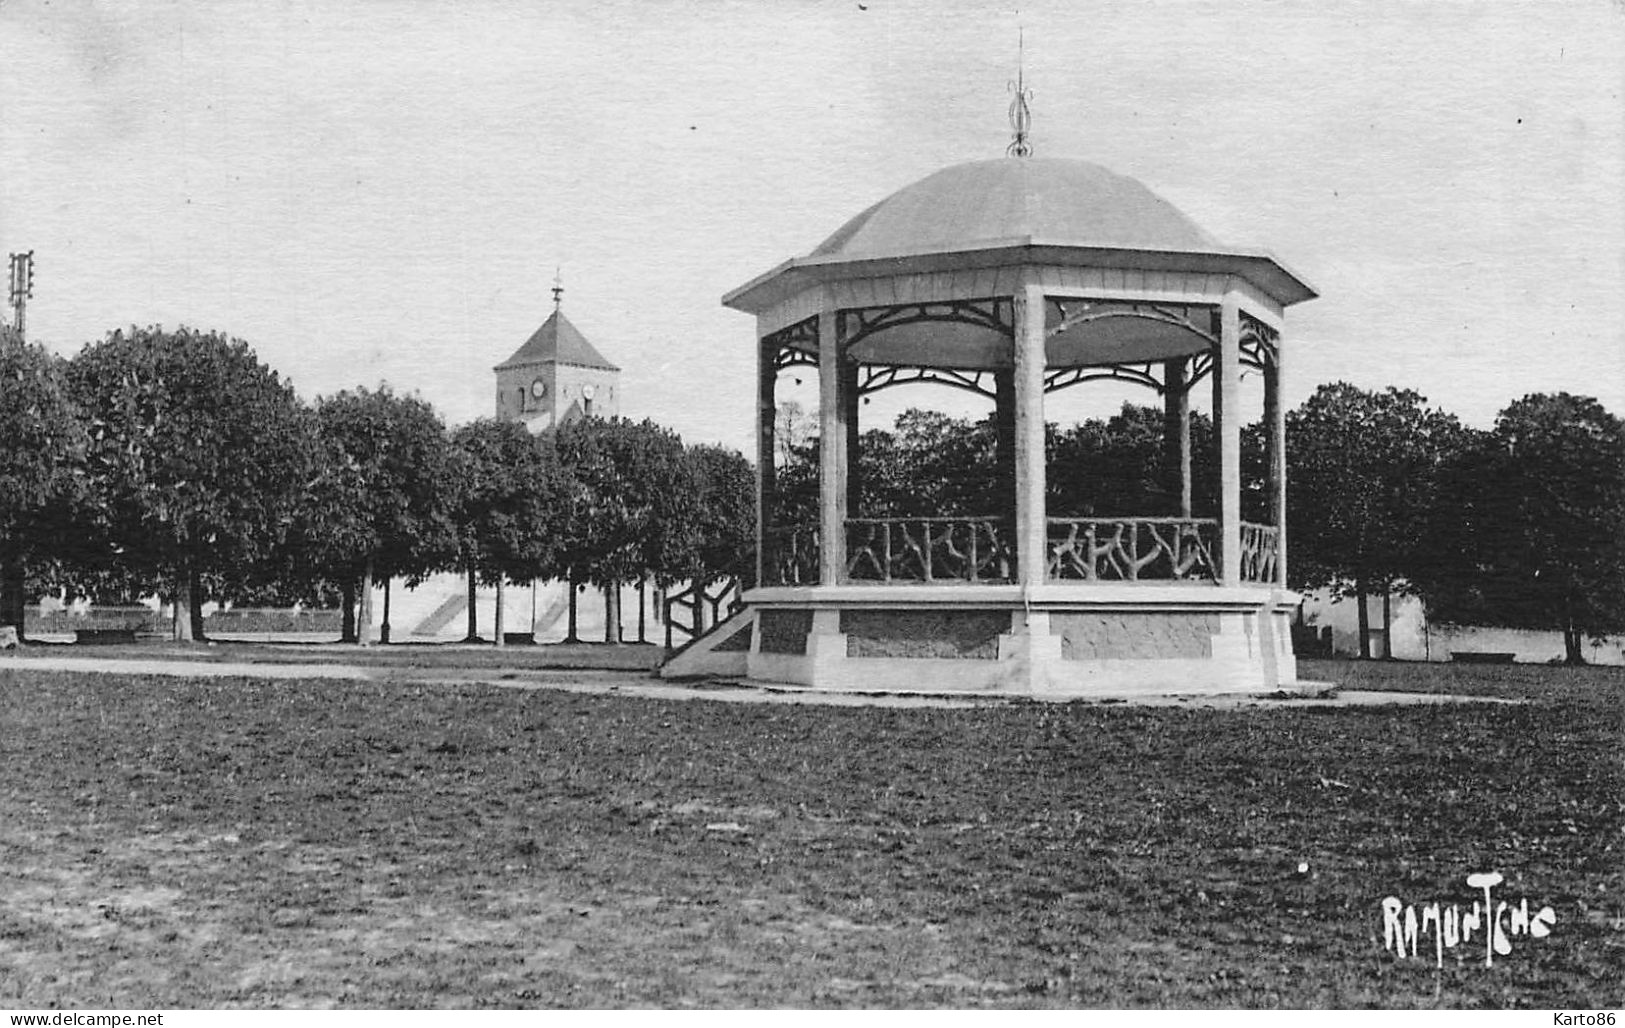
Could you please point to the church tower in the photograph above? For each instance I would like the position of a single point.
(557, 377)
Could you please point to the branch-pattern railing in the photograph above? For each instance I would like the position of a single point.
(791, 556)
(1260, 547)
(967, 549)
(1132, 549)
(981, 549)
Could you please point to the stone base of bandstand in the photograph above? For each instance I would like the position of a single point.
(1059, 640)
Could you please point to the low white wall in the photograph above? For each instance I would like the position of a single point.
(1414, 639)
(1531, 647)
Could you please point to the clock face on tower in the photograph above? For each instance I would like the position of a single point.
(538, 389)
(588, 392)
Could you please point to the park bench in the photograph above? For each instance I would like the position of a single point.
(1481, 657)
(103, 636)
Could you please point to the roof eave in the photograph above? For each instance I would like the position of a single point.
(1261, 268)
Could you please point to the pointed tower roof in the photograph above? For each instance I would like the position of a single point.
(558, 340)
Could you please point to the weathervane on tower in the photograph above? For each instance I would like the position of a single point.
(558, 287)
(1021, 116)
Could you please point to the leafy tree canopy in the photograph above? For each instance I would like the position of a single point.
(1362, 471)
(199, 453)
(1530, 532)
(634, 503)
(509, 497)
(41, 463)
(723, 538)
(42, 479)
(381, 493)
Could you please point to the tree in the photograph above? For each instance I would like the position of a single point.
(1531, 527)
(41, 466)
(935, 465)
(508, 498)
(794, 429)
(723, 531)
(634, 507)
(795, 495)
(1363, 471)
(199, 455)
(388, 463)
(1117, 467)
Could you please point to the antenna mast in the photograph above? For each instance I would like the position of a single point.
(22, 287)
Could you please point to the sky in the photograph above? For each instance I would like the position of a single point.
(383, 190)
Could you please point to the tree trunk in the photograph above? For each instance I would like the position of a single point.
(501, 626)
(383, 628)
(663, 613)
(347, 615)
(1573, 655)
(181, 619)
(363, 628)
(570, 584)
(1387, 624)
(13, 594)
(473, 615)
(194, 588)
(700, 624)
(1365, 618)
(612, 611)
(643, 608)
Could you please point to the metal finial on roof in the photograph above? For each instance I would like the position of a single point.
(1021, 116)
(558, 287)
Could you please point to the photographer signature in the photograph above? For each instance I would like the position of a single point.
(1498, 921)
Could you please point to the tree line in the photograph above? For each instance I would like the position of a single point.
(1519, 525)
(175, 463)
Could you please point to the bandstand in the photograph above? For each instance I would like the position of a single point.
(1014, 278)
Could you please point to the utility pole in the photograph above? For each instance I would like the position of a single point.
(22, 288)
(13, 601)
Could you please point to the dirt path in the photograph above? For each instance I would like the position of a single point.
(624, 683)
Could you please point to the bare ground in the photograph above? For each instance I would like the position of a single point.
(246, 842)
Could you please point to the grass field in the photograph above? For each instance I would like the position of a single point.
(404, 656)
(228, 842)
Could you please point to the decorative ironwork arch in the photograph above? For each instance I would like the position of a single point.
(885, 376)
(1257, 347)
(1077, 312)
(857, 324)
(797, 345)
(1135, 374)
(789, 357)
(794, 344)
(1258, 342)
(1200, 365)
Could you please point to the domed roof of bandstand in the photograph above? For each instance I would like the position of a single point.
(1009, 212)
(1008, 201)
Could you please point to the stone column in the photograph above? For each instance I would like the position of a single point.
(1176, 434)
(767, 416)
(831, 453)
(1004, 434)
(849, 415)
(1275, 429)
(1032, 533)
(1030, 655)
(1227, 432)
